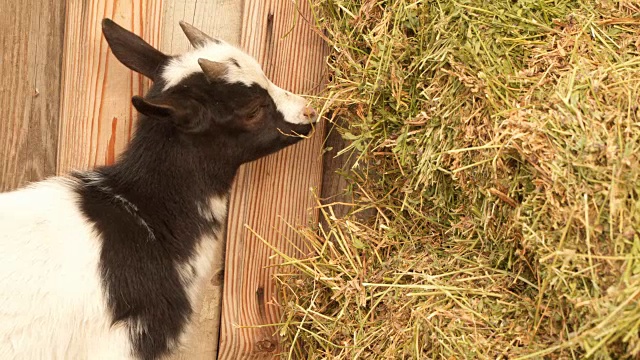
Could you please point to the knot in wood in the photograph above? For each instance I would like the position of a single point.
(266, 345)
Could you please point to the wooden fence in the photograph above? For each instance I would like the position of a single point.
(65, 104)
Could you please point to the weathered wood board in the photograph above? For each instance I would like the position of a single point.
(96, 118)
(275, 190)
(65, 102)
(31, 37)
(221, 19)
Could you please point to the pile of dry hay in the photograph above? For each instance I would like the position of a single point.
(498, 144)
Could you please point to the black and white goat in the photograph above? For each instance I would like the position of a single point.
(109, 263)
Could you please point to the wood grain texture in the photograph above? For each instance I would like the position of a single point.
(96, 118)
(31, 37)
(221, 19)
(218, 18)
(273, 191)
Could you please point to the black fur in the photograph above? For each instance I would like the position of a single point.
(145, 206)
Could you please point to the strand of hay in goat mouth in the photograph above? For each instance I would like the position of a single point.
(497, 145)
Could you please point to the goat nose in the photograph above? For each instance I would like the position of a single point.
(310, 113)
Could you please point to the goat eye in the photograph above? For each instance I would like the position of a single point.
(254, 113)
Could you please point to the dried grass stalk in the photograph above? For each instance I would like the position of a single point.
(498, 144)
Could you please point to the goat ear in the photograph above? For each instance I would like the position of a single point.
(189, 118)
(153, 108)
(131, 50)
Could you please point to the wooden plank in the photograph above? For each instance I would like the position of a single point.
(273, 191)
(221, 19)
(218, 18)
(30, 70)
(96, 118)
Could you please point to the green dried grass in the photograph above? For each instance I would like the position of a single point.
(498, 145)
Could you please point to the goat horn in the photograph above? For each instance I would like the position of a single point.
(196, 37)
(212, 70)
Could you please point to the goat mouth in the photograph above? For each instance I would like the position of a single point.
(307, 130)
(298, 132)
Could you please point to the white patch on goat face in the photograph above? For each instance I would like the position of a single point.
(290, 105)
(242, 68)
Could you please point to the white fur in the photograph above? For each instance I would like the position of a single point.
(290, 105)
(218, 205)
(200, 268)
(52, 303)
(49, 279)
